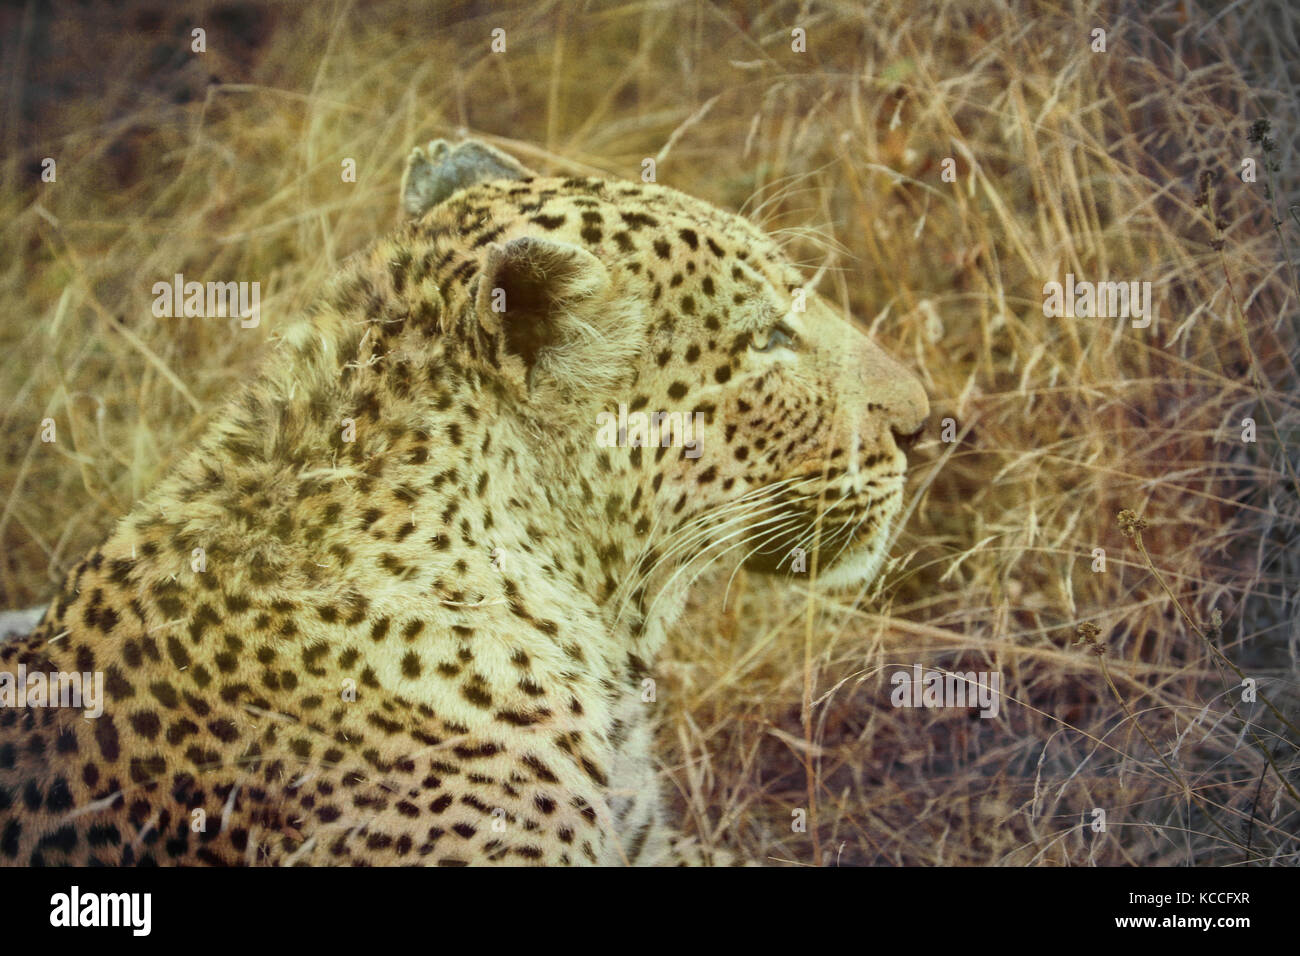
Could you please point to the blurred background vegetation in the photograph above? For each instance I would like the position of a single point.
(1122, 165)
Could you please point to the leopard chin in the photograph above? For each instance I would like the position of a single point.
(841, 565)
(848, 569)
(856, 568)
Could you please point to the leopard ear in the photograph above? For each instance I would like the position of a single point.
(436, 171)
(537, 294)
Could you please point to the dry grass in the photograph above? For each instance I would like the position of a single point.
(1068, 161)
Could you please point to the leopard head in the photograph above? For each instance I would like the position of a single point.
(673, 372)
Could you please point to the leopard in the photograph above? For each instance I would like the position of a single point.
(400, 602)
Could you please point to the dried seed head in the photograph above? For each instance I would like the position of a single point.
(1087, 633)
(1216, 623)
(1131, 524)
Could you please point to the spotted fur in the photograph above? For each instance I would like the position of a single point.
(427, 645)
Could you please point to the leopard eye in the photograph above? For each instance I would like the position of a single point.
(778, 336)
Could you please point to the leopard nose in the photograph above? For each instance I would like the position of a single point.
(892, 389)
(906, 440)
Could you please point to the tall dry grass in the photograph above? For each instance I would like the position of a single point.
(227, 165)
